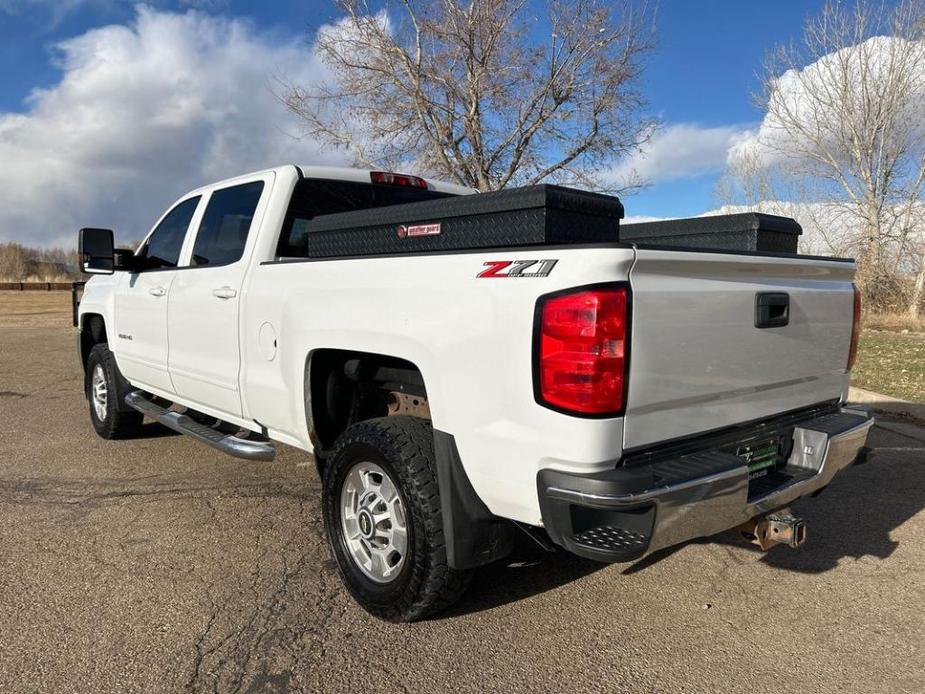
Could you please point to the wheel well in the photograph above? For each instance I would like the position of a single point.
(92, 332)
(344, 387)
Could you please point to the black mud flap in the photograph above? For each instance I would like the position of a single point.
(474, 536)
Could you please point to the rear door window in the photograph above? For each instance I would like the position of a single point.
(162, 249)
(226, 224)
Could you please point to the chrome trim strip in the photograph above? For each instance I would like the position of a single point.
(619, 500)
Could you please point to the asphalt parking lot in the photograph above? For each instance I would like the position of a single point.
(158, 565)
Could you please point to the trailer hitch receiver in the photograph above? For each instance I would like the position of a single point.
(777, 528)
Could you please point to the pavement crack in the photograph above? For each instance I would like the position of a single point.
(201, 651)
(266, 645)
(95, 492)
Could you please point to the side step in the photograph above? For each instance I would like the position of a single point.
(227, 443)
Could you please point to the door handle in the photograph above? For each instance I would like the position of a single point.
(225, 293)
(157, 291)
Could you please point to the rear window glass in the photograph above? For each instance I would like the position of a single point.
(314, 196)
(225, 224)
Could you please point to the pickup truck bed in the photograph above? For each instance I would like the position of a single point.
(607, 396)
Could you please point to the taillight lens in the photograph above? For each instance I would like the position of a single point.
(581, 351)
(396, 179)
(855, 330)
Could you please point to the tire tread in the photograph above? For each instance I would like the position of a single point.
(410, 440)
(119, 423)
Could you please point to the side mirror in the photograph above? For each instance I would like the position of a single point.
(95, 249)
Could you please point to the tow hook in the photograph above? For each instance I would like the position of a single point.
(777, 528)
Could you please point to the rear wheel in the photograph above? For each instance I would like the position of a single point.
(106, 389)
(383, 520)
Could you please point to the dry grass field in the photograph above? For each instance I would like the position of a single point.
(35, 309)
(893, 322)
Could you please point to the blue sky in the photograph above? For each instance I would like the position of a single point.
(704, 72)
(699, 81)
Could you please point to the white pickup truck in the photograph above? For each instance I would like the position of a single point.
(461, 380)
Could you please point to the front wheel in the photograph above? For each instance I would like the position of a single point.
(105, 389)
(383, 520)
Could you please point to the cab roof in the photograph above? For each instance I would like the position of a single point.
(339, 173)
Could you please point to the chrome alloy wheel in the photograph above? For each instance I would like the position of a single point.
(373, 520)
(99, 392)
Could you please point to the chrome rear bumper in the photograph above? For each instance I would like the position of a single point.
(623, 514)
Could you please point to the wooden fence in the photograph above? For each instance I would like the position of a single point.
(34, 286)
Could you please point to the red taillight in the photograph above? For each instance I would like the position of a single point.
(396, 179)
(855, 330)
(581, 351)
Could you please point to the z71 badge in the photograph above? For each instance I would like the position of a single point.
(518, 268)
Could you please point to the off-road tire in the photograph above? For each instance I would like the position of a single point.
(403, 447)
(120, 422)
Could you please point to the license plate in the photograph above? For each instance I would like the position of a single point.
(760, 457)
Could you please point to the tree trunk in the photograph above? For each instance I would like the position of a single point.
(917, 292)
(870, 259)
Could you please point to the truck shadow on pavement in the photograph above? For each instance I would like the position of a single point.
(153, 430)
(528, 571)
(856, 515)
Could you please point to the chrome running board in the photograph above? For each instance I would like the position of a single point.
(227, 443)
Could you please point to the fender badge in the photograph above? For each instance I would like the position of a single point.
(517, 268)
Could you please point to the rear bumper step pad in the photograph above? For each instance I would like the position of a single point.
(227, 443)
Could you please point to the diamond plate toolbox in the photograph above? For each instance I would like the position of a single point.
(529, 216)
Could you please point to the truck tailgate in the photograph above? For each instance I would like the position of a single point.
(697, 360)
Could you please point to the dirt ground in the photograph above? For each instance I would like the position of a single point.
(159, 565)
(35, 309)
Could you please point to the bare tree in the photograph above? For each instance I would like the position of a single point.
(748, 184)
(20, 263)
(485, 93)
(13, 262)
(846, 110)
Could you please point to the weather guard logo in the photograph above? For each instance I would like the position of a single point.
(408, 232)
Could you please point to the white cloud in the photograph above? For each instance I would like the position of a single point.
(679, 151)
(868, 68)
(641, 218)
(142, 113)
